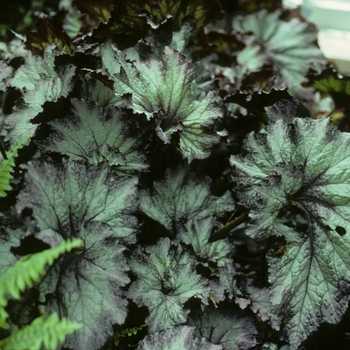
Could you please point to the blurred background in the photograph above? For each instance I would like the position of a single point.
(332, 17)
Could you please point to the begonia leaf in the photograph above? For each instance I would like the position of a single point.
(172, 100)
(197, 234)
(180, 197)
(301, 165)
(97, 135)
(224, 327)
(8, 238)
(40, 83)
(202, 11)
(75, 201)
(166, 280)
(85, 286)
(65, 197)
(181, 337)
(289, 46)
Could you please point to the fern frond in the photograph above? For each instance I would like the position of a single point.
(6, 168)
(51, 332)
(127, 332)
(27, 270)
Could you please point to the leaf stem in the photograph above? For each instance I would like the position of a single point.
(298, 205)
(222, 232)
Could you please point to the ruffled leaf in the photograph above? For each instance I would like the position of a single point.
(75, 201)
(95, 134)
(35, 68)
(40, 83)
(63, 198)
(301, 165)
(166, 280)
(311, 281)
(223, 283)
(172, 100)
(203, 11)
(289, 46)
(181, 198)
(181, 337)
(86, 287)
(262, 306)
(197, 234)
(224, 327)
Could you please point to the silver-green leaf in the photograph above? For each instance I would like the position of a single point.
(301, 167)
(166, 280)
(182, 197)
(97, 134)
(165, 89)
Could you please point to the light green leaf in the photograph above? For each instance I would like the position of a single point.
(29, 74)
(50, 333)
(94, 90)
(232, 330)
(311, 282)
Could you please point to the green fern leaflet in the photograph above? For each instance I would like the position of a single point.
(51, 332)
(27, 270)
(6, 168)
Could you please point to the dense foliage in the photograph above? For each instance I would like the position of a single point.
(196, 153)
